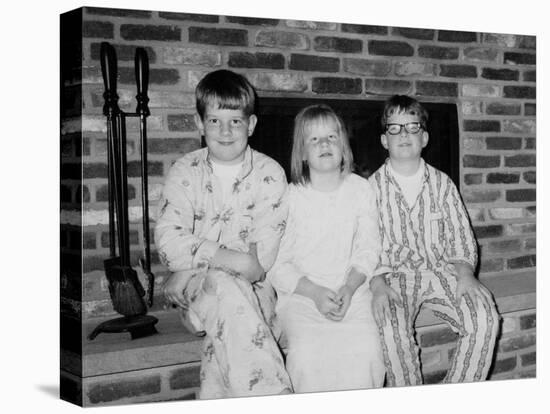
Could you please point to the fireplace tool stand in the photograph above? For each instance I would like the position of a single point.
(125, 289)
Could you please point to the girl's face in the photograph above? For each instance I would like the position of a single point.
(323, 147)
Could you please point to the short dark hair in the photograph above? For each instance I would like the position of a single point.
(404, 104)
(227, 90)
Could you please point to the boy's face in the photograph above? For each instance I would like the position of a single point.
(226, 133)
(404, 146)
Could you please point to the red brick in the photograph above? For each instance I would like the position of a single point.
(314, 63)
(521, 92)
(337, 44)
(520, 58)
(504, 246)
(98, 29)
(503, 143)
(186, 377)
(473, 179)
(503, 108)
(428, 88)
(172, 145)
(337, 85)
(438, 52)
(454, 36)
(500, 74)
(287, 40)
(364, 29)
(481, 161)
(481, 196)
(517, 342)
(181, 122)
(483, 232)
(140, 14)
(222, 37)
(423, 34)
(481, 125)
(203, 18)
(150, 32)
(521, 195)
(481, 54)
(528, 321)
(458, 71)
(112, 391)
(528, 359)
(390, 48)
(521, 160)
(530, 109)
(437, 337)
(367, 67)
(530, 76)
(522, 262)
(256, 60)
(491, 265)
(530, 177)
(504, 365)
(387, 87)
(502, 178)
(251, 21)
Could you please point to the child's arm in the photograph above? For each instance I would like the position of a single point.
(382, 295)
(366, 242)
(269, 213)
(326, 300)
(467, 284)
(346, 292)
(178, 247)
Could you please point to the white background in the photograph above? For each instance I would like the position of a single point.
(29, 293)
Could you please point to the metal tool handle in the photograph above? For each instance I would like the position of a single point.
(142, 81)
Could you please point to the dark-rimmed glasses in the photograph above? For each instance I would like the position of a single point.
(410, 127)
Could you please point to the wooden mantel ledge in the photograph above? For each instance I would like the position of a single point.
(173, 345)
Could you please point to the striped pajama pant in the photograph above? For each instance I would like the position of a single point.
(477, 329)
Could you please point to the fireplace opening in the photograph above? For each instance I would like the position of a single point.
(273, 134)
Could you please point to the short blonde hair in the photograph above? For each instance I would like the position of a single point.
(299, 170)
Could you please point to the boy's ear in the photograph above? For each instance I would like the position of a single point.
(252, 120)
(425, 138)
(384, 140)
(199, 123)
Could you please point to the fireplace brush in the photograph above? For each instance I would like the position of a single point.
(125, 289)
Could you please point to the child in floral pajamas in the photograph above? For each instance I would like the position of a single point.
(428, 258)
(221, 217)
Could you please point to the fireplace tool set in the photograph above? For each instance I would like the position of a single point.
(126, 291)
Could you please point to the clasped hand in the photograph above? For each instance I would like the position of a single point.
(333, 305)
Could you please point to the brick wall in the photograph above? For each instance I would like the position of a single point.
(491, 77)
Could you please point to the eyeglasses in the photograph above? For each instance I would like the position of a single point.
(410, 127)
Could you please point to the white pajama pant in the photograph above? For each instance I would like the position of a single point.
(240, 356)
(477, 329)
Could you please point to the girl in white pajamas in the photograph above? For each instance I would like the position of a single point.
(329, 250)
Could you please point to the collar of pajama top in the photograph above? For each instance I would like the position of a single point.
(204, 221)
(428, 235)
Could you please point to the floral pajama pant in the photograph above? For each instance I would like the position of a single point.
(240, 356)
(476, 328)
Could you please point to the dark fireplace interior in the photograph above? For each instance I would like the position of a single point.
(273, 135)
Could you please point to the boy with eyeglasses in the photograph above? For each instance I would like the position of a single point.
(428, 258)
